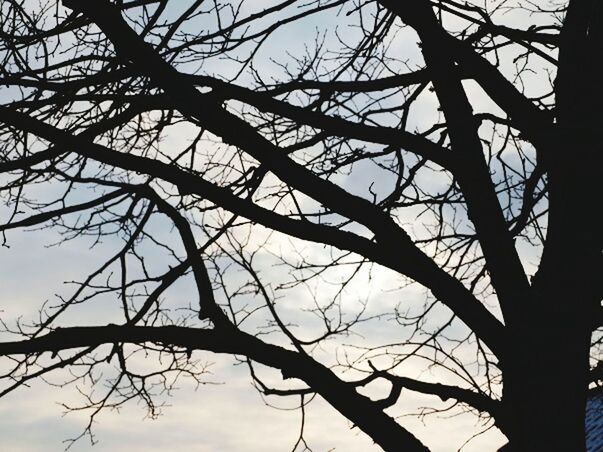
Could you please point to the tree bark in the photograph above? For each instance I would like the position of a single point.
(545, 385)
(546, 380)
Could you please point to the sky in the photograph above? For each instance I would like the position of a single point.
(226, 413)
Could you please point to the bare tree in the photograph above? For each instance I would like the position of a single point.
(452, 145)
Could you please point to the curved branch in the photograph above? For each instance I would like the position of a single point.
(357, 408)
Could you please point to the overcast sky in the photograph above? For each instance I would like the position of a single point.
(227, 414)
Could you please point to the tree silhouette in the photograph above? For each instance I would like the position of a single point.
(276, 157)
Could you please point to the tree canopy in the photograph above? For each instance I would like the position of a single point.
(340, 193)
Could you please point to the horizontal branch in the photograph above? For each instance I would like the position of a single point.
(357, 408)
(480, 402)
(355, 86)
(30, 160)
(45, 216)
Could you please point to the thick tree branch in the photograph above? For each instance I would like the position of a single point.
(358, 409)
(331, 126)
(502, 260)
(399, 253)
(335, 126)
(479, 401)
(56, 213)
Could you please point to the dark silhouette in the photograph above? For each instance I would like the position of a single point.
(455, 146)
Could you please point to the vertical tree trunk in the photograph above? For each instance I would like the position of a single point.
(547, 368)
(546, 381)
(545, 388)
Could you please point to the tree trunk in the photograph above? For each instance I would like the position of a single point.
(545, 384)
